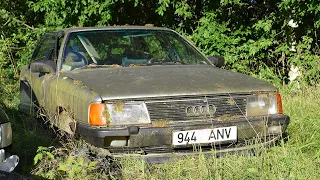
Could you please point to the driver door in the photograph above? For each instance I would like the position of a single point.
(32, 84)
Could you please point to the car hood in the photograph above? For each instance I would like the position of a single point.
(170, 80)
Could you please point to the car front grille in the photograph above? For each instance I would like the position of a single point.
(186, 108)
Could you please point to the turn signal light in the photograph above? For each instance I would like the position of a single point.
(279, 103)
(96, 116)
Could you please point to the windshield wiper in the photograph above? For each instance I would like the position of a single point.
(91, 66)
(172, 63)
(164, 63)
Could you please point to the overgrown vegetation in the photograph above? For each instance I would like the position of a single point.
(260, 38)
(296, 157)
(74, 160)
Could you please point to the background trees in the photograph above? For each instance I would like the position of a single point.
(254, 36)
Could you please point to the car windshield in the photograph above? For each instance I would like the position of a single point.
(130, 47)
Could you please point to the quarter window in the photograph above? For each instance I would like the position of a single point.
(45, 48)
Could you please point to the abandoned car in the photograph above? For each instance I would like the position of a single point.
(147, 90)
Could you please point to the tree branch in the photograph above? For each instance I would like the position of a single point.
(9, 54)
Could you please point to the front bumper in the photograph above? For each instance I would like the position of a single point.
(154, 140)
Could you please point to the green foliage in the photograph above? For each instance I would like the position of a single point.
(74, 160)
(76, 167)
(259, 44)
(62, 13)
(253, 36)
(17, 45)
(42, 151)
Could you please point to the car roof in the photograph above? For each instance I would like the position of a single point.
(79, 29)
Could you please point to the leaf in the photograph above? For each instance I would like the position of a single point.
(62, 167)
(41, 148)
(51, 156)
(92, 164)
(37, 158)
(252, 170)
(80, 160)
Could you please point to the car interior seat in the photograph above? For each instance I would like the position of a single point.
(134, 57)
(74, 59)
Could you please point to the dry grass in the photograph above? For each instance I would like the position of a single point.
(297, 158)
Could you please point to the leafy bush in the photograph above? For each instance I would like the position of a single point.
(254, 36)
(74, 160)
(259, 46)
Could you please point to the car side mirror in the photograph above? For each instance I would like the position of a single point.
(43, 66)
(218, 61)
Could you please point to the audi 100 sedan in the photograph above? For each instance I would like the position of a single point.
(147, 91)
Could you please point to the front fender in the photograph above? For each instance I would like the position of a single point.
(70, 95)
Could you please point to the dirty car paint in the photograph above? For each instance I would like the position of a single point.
(131, 82)
(73, 91)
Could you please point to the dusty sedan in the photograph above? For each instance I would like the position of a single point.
(147, 90)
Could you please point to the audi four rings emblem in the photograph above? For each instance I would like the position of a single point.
(201, 110)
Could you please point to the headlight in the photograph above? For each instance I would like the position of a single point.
(128, 113)
(264, 104)
(118, 113)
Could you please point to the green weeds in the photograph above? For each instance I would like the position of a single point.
(74, 160)
(28, 132)
(295, 157)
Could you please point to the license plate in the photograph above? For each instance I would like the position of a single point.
(204, 135)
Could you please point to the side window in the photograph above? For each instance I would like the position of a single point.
(45, 48)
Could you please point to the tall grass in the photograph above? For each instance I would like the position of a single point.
(297, 157)
(28, 132)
